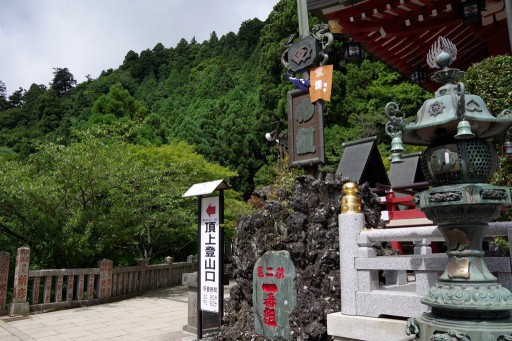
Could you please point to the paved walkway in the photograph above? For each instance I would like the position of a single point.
(157, 315)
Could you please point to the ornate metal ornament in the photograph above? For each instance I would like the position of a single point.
(473, 106)
(458, 268)
(442, 54)
(322, 34)
(305, 130)
(493, 194)
(411, 328)
(450, 336)
(436, 108)
(445, 196)
(458, 163)
(351, 201)
(473, 297)
(308, 51)
(305, 141)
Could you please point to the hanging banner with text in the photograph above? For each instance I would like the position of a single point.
(210, 261)
(321, 83)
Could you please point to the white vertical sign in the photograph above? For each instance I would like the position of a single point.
(210, 261)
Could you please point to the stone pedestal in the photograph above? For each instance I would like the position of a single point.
(210, 320)
(16, 309)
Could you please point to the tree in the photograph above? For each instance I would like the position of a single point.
(118, 103)
(3, 96)
(63, 81)
(16, 98)
(102, 198)
(491, 79)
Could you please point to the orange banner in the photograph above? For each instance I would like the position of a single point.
(321, 83)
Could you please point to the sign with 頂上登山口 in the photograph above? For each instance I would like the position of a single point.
(210, 251)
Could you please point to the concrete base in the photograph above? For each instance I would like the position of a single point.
(16, 309)
(346, 327)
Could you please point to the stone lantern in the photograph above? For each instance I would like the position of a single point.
(467, 302)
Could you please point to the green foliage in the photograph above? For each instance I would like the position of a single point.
(491, 79)
(63, 81)
(102, 198)
(118, 103)
(3, 96)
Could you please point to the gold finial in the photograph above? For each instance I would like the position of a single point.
(351, 201)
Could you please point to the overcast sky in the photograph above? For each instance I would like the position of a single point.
(88, 36)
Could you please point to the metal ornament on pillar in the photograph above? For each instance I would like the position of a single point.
(467, 303)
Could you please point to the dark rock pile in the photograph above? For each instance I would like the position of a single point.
(303, 221)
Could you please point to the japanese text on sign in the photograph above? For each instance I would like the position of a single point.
(210, 260)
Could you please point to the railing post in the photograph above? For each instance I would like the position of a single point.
(19, 305)
(351, 222)
(168, 279)
(422, 247)
(143, 264)
(4, 276)
(105, 282)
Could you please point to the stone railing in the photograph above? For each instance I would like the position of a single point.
(45, 290)
(399, 295)
(384, 287)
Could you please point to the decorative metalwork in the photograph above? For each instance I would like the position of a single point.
(412, 328)
(473, 106)
(396, 123)
(506, 113)
(436, 108)
(462, 296)
(325, 38)
(442, 54)
(457, 240)
(458, 268)
(351, 201)
(493, 194)
(445, 196)
(450, 336)
(305, 111)
(305, 53)
(459, 162)
(306, 141)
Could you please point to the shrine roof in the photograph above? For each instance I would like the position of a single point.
(400, 32)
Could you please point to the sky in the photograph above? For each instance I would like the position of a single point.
(89, 36)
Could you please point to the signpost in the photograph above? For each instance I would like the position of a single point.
(209, 245)
(210, 249)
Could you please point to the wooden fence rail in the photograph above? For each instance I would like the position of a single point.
(54, 289)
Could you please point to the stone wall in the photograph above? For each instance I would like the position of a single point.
(303, 221)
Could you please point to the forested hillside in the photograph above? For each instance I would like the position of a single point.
(97, 169)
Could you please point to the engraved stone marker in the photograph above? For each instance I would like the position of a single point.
(274, 294)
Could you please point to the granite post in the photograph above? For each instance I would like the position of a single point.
(105, 282)
(210, 320)
(4, 276)
(143, 280)
(19, 305)
(168, 280)
(351, 222)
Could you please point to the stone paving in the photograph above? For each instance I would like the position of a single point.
(157, 315)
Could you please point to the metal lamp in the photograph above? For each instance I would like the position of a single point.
(353, 52)
(467, 302)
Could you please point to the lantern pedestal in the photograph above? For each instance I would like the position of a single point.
(435, 328)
